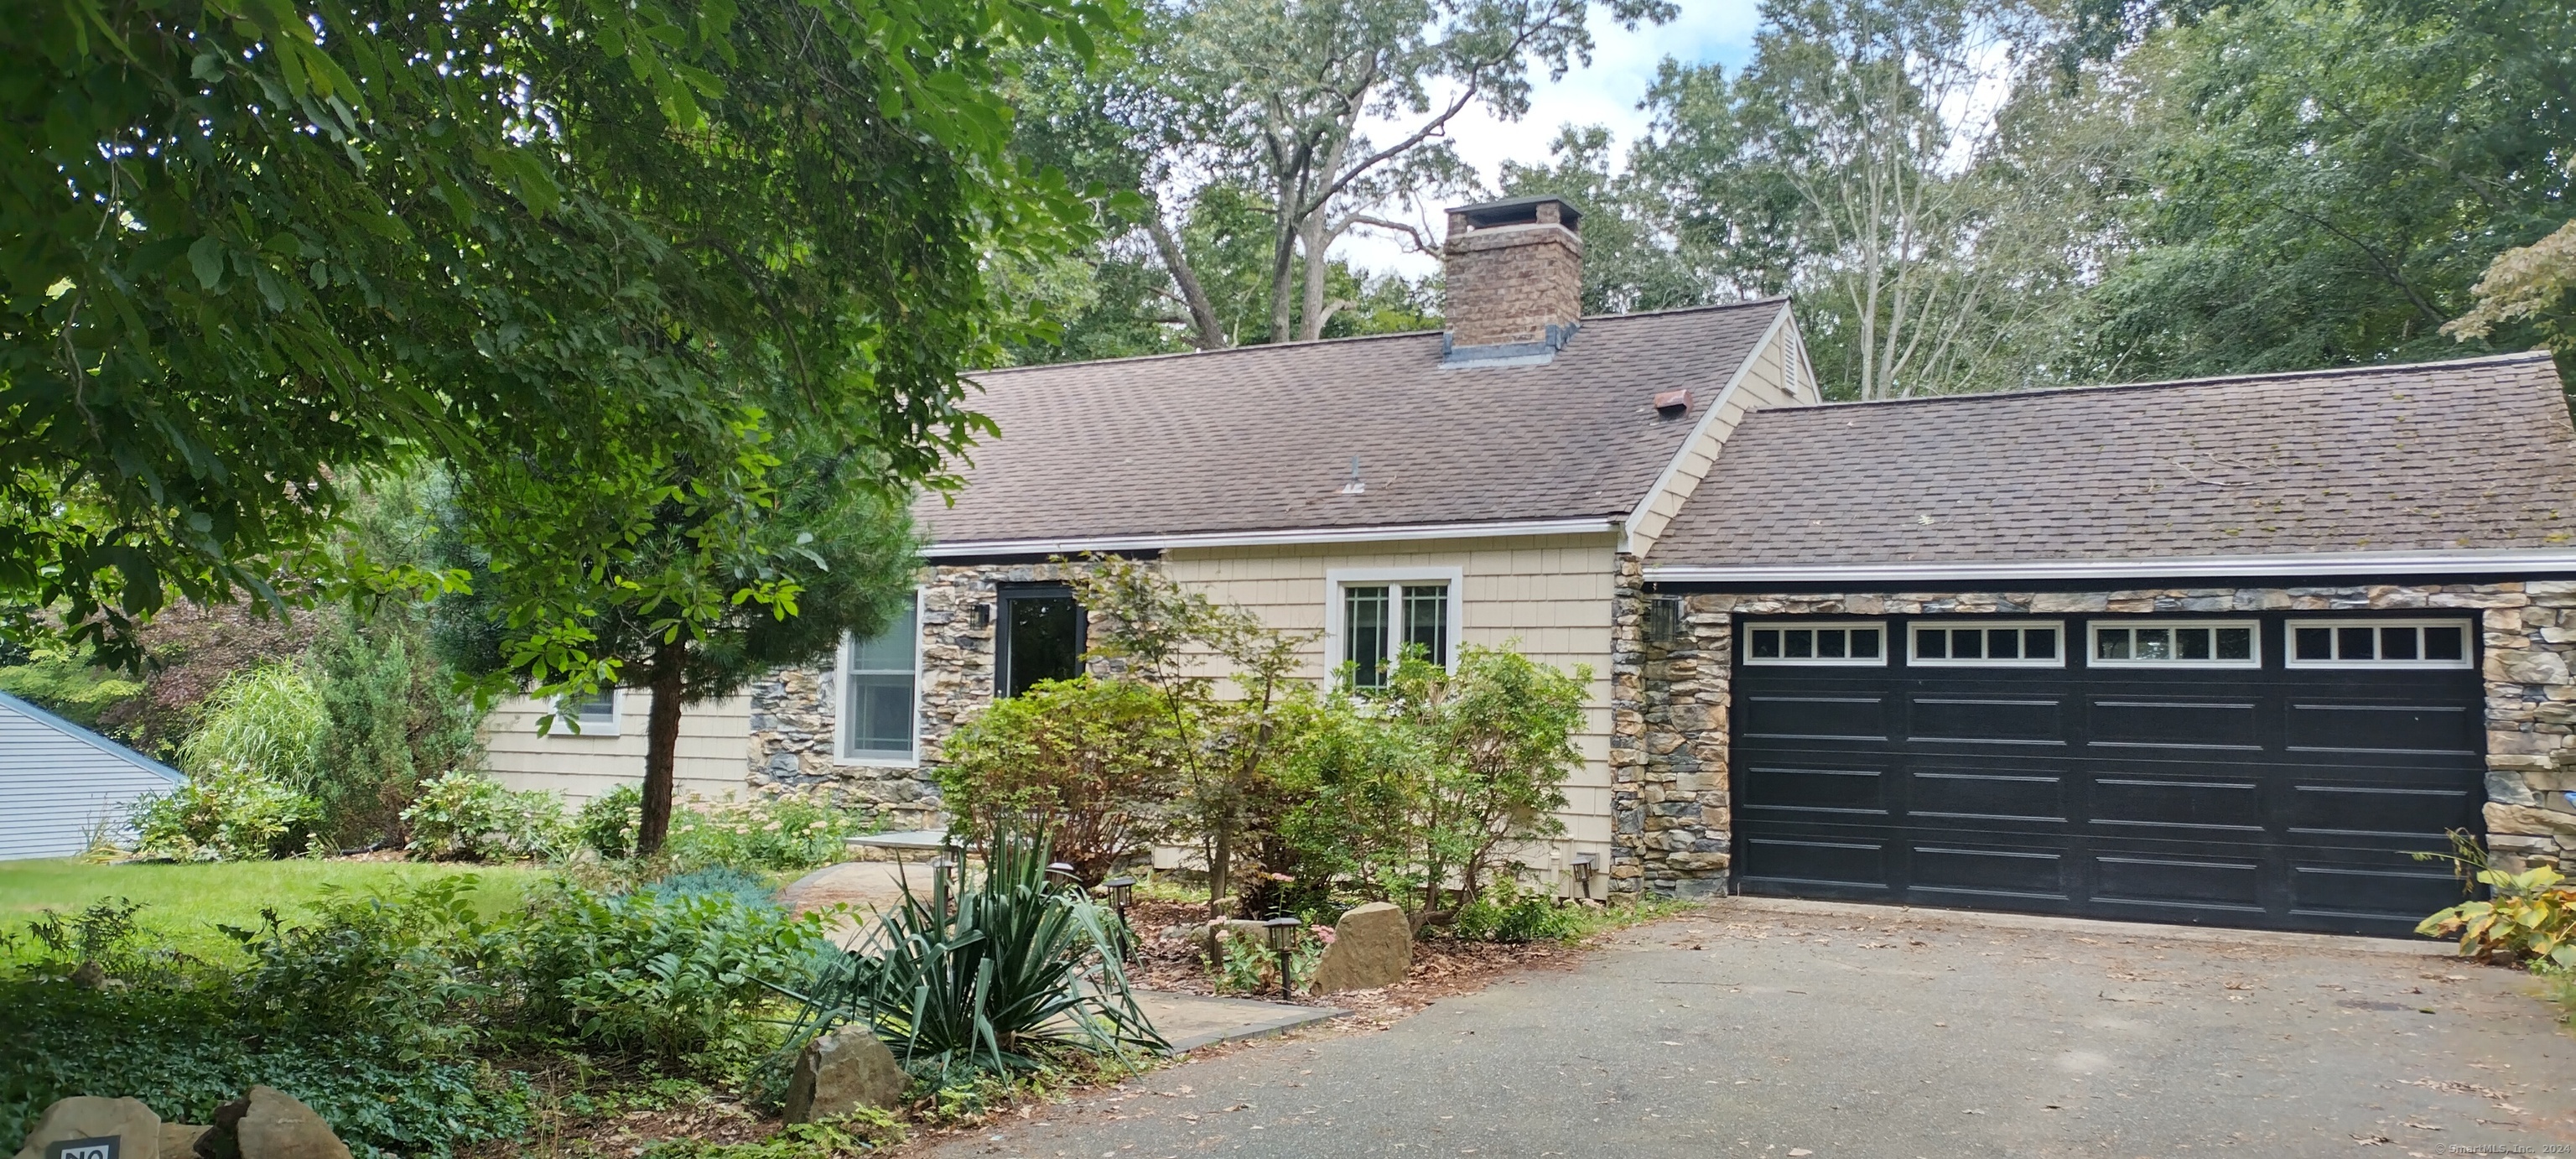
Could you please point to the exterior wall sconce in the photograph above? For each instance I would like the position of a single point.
(1283, 938)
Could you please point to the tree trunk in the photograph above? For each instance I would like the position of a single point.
(1206, 332)
(1220, 864)
(1314, 239)
(661, 749)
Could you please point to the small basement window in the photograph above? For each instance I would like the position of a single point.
(1793, 642)
(2379, 644)
(2176, 644)
(2014, 644)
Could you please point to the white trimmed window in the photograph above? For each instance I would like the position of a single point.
(880, 691)
(1818, 643)
(2379, 644)
(1989, 644)
(1376, 613)
(2176, 644)
(591, 715)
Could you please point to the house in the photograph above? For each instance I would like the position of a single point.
(62, 786)
(2217, 651)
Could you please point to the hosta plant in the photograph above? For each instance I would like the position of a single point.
(2528, 916)
(989, 970)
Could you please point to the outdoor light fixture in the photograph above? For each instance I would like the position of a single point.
(1121, 891)
(983, 615)
(1063, 869)
(1582, 864)
(1283, 938)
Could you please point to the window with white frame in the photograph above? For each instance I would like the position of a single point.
(2379, 644)
(1989, 644)
(2176, 644)
(594, 714)
(879, 684)
(1792, 642)
(1377, 615)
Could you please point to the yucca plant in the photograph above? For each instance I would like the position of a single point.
(989, 970)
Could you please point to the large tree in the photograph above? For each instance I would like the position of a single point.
(719, 571)
(253, 248)
(2331, 178)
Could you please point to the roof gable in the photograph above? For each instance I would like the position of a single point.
(2476, 455)
(1263, 438)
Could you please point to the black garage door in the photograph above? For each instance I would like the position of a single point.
(2242, 771)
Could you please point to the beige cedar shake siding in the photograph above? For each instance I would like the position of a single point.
(1776, 375)
(713, 738)
(1673, 797)
(1550, 596)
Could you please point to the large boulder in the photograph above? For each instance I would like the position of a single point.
(840, 1072)
(1372, 947)
(179, 1140)
(135, 1128)
(268, 1123)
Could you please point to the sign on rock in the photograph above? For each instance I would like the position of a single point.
(100, 1148)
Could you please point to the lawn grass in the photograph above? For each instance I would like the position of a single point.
(184, 903)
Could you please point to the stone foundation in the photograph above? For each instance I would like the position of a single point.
(1668, 757)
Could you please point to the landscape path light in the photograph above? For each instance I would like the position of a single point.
(1122, 890)
(1283, 938)
(1583, 876)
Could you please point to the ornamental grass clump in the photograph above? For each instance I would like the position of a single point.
(996, 971)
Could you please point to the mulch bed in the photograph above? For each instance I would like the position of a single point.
(1442, 967)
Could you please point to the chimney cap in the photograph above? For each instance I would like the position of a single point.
(1516, 211)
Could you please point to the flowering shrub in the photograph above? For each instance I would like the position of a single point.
(608, 823)
(784, 833)
(468, 816)
(225, 812)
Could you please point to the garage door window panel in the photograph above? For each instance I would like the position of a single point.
(2015, 644)
(2177, 644)
(2379, 644)
(1821, 644)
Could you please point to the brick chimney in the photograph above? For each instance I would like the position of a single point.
(1515, 274)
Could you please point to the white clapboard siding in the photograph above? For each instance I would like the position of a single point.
(60, 782)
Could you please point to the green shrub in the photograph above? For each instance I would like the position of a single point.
(661, 974)
(782, 834)
(1508, 915)
(269, 720)
(468, 816)
(1093, 757)
(392, 720)
(990, 972)
(2529, 916)
(607, 823)
(225, 813)
(64, 682)
(742, 885)
(362, 1012)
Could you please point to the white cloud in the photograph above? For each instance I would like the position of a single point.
(1623, 64)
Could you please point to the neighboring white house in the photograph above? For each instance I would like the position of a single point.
(61, 784)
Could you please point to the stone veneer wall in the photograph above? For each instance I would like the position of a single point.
(793, 718)
(1669, 752)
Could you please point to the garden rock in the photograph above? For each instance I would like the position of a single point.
(268, 1123)
(1372, 947)
(1251, 933)
(136, 1128)
(840, 1072)
(179, 1140)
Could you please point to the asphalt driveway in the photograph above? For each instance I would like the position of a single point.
(1797, 1029)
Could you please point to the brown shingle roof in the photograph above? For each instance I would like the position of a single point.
(2472, 454)
(1261, 438)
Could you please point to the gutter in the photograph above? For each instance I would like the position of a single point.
(1385, 533)
(2467, 562)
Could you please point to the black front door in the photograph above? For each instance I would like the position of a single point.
(2229, 771)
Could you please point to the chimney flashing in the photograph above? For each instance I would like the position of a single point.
(1538, 353)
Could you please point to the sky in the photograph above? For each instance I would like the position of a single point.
(1623, 64)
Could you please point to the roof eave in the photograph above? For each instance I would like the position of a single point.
(2285, 566)
(1148, 541)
